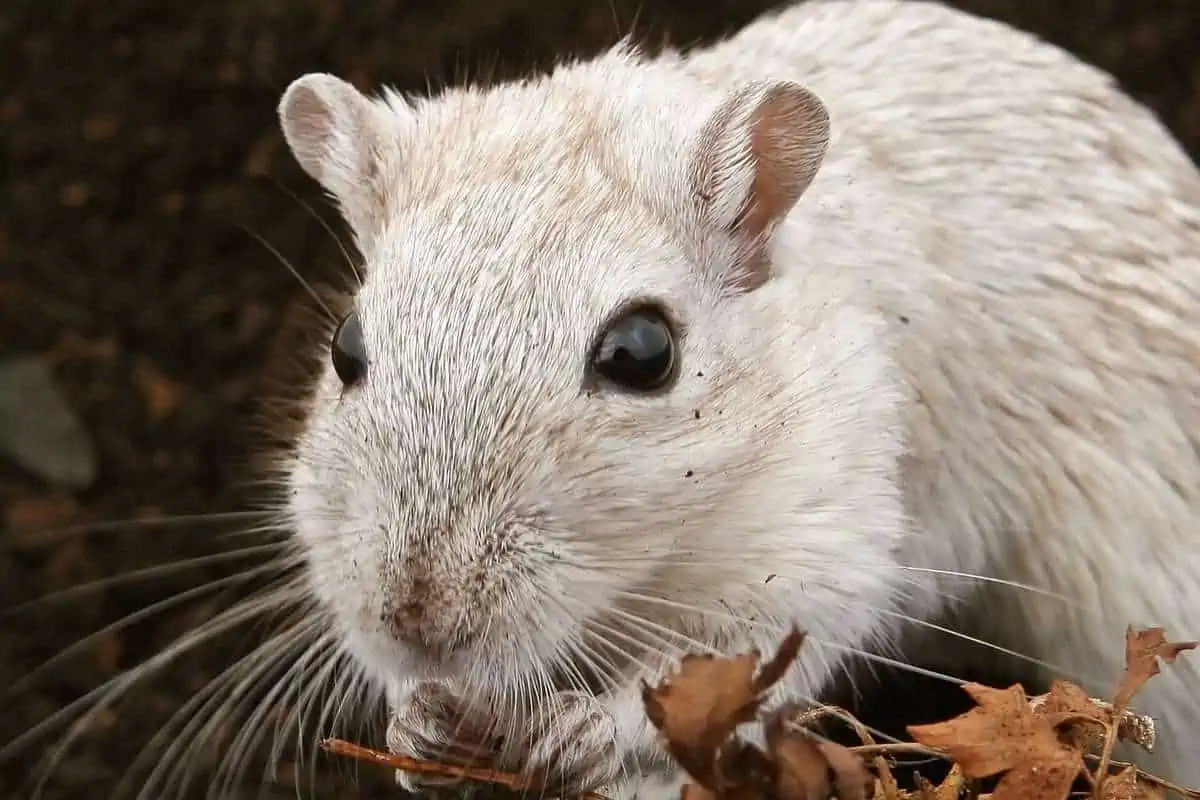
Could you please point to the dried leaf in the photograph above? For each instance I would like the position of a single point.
(925, 789)
(1002, 735)
(850, 775)
(801, 769)
(809, 768)
(701, 706)
(1122, 786)
(1127, 785)
(1143, 649)
(775, 669)
(951, 786)
(1079, 718)
(743, 772)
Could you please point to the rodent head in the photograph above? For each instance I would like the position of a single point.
(572, 376)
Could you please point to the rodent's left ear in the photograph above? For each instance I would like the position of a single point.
(755, 156)
(339, 137)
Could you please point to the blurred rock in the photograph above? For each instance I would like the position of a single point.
(38, 429)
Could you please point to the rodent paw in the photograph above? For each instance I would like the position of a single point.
(573, 748)
(432, 725)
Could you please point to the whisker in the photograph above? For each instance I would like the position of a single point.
(324, 224)
(103, 696)
(50, 535)
(641, 558)
(328, 659)
(1053, 668)
(288, 265)
(147, 573)
(1026, 587)
(884, 612)
(311, 643)
(174, 766)
(141, 614)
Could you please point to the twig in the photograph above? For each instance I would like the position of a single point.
(898, 749)
(477, 774)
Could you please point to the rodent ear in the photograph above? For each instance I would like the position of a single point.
(756, 155)
(336, 134)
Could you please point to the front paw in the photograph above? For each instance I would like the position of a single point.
(572, 747)
(433, 725)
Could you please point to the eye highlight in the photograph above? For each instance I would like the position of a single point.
(637, 351)
(348, 352)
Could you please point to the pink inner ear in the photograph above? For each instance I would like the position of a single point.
(789, 132)
(777, 181)
(786, 136)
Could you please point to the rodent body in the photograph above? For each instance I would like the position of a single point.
(959, 335)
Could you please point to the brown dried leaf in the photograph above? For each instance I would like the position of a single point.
(1143, 649)
(1126, 785)
(850, 775)
(801, 769)
(1076, 716)
(1002, 735)
(925, 789)
(743, 772)
(810, 768)
(1122, 786)
(775, 669)
(951, 786)
(1065, 697)
(701, 706)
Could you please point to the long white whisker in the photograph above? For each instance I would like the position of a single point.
(50, 535)
(673, 558)
(306, 637)
(1057, 670)
(144, 613)
(174, 760)
(290, 268)
(148, 573)
(318, 686)
(326, 226)
(103, 696)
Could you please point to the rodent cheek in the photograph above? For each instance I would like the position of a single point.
(335, 516)
(641, 468)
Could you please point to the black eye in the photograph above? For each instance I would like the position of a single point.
(348, 353)
(637, 352)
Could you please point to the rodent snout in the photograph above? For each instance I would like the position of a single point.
(433, 631)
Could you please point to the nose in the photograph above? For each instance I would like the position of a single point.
(433, 631)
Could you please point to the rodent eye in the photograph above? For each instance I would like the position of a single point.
(637, 351)
(348, 353)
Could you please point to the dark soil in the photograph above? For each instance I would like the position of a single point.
(140, 146)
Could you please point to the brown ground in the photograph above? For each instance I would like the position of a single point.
(139, 140)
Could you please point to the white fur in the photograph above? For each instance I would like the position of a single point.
(979, 353)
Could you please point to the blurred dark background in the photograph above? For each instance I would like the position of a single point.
(140, 318)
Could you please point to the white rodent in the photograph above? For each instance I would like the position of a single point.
(861, 319)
